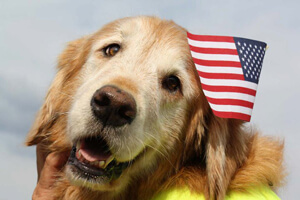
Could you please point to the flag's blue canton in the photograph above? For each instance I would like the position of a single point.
(251, 55)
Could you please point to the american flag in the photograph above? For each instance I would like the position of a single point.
(229, 70)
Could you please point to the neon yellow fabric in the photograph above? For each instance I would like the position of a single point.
(175, 194)
(261, 193)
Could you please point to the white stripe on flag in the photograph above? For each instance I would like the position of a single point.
(215, 57)
(231, 108)
(229, 95)
(227, 70)
(220, 45)
(228, 82)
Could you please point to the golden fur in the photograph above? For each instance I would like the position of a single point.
(208, 154)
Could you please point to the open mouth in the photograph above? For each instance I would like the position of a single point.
(91, 159)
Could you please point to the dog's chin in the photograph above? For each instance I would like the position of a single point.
(92, 165)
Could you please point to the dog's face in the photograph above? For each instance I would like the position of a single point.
(132, 101)
(123, 99)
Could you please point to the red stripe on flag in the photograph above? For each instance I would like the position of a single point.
(233, 115)
(214, 50)
(210, 38)
(217, 63)
(229, 89)
(234, 102)
(221, 76)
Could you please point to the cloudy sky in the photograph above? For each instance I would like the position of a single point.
(34, 32)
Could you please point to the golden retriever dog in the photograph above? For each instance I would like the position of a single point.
(127, 102)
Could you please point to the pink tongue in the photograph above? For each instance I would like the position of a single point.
(92, 156)
(93, 150)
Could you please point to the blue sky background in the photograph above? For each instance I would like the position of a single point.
(33, 33)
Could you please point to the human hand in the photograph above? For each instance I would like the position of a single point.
(48, 166)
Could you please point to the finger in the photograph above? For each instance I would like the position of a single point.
(53, 164)
(40, 159)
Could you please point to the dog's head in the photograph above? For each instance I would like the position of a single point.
(125, 97)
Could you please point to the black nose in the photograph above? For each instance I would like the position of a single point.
(113, 106)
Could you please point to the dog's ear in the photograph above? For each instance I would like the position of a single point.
(195, 135)
(57, 101)
(225, 152)
(215, 144)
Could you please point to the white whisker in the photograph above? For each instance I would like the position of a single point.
(155, 149)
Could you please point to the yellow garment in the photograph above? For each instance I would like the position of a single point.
(261, 193)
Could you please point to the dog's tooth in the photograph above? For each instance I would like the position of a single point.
(95, 163)
(80, 157)
(78, 145)
(111, 158)
(102, 164)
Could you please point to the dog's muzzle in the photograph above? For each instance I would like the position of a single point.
(91, 158)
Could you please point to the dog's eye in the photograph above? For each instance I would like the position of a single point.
(111, 50)
(171, 83)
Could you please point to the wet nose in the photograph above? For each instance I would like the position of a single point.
(113, 106)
